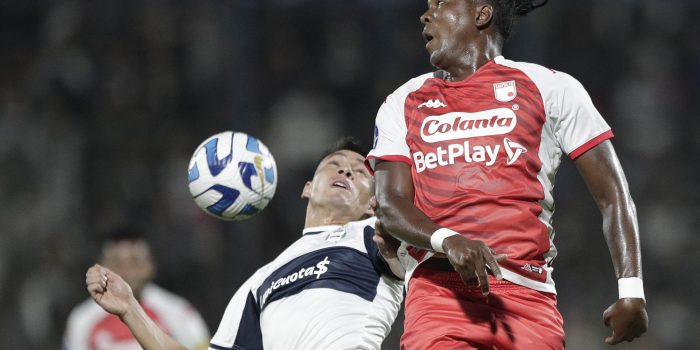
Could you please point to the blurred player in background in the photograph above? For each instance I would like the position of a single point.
(331, 289)
(465, 160)
(127, 253)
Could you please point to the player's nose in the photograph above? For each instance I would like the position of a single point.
(346, 170)
(426, 17)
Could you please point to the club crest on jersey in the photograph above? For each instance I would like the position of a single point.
(336, 235)
(505, 91)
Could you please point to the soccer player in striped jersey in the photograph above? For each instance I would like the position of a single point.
(331, 289)
(465, 160)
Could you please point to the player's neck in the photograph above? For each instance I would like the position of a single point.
(478, 55)
(326, 216)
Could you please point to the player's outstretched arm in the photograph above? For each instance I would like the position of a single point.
(602, 172)
(115, 296)
(401, 218)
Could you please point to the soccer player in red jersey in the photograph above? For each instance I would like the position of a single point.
(465, 160)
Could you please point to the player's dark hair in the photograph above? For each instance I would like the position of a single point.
(125, 233)
(505, 12)
(345, 143)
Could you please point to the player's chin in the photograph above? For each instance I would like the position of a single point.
(436, 58)
(341, 199)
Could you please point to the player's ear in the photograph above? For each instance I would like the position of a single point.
(484, 15)
(306, 193)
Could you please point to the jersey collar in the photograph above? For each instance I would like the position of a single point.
(318, 229)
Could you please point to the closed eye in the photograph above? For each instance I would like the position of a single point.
(362, 171)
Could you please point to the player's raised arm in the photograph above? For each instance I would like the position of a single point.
(404, 220)
(115, 296)
(603, 174)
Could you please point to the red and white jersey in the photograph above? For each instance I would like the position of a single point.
(484, 152)
(91, 328)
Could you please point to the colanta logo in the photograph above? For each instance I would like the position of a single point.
(462, 125)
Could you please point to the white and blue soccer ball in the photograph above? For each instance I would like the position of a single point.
(232, 176)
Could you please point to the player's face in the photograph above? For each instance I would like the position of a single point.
(448, 26)
(130, 259)
(341, 181)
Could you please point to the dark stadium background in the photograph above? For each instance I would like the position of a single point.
(103, 101)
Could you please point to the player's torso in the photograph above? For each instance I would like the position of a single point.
(324, 288)
(475, 151)
(324, 319)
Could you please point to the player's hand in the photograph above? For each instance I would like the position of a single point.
(628, 319)
(471, 258)
(387, 244)
(109, 290)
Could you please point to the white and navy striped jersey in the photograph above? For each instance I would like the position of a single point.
(331, 289)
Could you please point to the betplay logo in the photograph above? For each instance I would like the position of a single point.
(462, 125)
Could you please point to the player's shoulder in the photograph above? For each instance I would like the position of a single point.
(361, 226)
(542, 76)
(364, 222)
(411, 85)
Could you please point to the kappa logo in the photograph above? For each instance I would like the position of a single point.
(432, 104)
(505, 92)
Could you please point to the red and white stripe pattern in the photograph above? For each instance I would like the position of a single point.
(484, 167)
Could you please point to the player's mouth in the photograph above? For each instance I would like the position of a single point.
(344, 184)
(428, 37)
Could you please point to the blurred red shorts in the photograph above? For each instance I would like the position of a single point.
(442, 313)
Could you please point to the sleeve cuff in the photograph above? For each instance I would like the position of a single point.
(370, 162)
(590, 144)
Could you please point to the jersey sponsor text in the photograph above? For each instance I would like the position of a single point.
(462, 125)
(317, 270)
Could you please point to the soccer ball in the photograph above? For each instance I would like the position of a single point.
(232, 176)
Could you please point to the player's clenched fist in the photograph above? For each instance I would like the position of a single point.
(470, 258)
(628, 319)
(109, 290)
